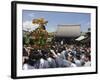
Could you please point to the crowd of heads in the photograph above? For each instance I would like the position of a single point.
(58, 55)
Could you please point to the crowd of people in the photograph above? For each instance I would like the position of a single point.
(58, 55)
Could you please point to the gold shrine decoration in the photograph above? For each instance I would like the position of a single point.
(39, 21)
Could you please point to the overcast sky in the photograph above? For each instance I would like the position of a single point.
(56, 18)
